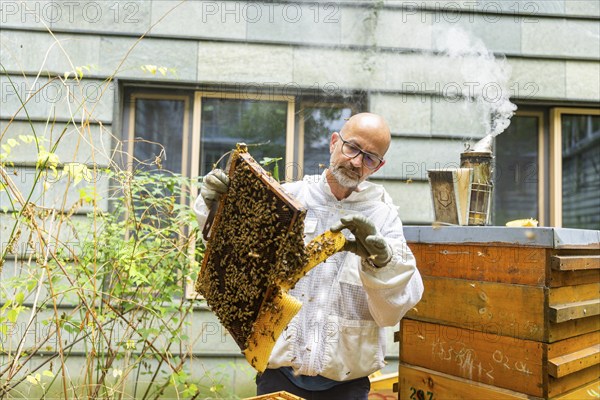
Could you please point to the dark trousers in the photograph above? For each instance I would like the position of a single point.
(273, 380)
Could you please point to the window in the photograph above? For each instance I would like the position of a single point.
(156, 133)
(552, 175)
(575, 172)
(158, 127)
(518, 192)
(188, 132)
(226, 119)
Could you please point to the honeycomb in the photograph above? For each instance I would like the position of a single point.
(256, 243)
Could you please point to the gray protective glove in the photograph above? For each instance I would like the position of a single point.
(214, 184)
(369, 244)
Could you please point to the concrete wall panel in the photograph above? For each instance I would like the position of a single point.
(464, 119)
(404, 113)
(176, 55)
(412, 157)
(583, 80)
(396, 28)
(55, 191)
(293, 22)
(583, 7)
(405, 72)
(90, 145)
(499, 34)
(244, 63)
(29, 14)
(207, 19)
(533, 7)
(50, 100)
(562, 37)
(131, 17)
(537, 79)
(28, 243)
(343, 68)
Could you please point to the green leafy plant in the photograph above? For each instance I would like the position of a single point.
(125, 275)
(268, 161)
(96, 260)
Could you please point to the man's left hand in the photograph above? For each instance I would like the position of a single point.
(369, 244)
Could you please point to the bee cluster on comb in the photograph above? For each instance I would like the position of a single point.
(256, 242)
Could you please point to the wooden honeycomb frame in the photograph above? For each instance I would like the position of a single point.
(256, 241)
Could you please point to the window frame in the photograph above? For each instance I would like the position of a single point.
(131, 125)
(189, 291)
(541, 161)
(185, 134)
(197, 117)
(555, 165)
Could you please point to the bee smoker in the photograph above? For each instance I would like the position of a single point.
(479, 158)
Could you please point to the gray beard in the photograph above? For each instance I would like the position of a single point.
(346, 181)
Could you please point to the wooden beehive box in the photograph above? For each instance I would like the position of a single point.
(506, 313)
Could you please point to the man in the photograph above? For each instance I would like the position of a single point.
(337, 339)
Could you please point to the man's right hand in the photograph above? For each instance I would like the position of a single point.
(214, 184)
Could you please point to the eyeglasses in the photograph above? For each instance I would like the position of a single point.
(351, 151)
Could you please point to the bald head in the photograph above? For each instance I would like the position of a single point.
(368, 128)
(357, 152)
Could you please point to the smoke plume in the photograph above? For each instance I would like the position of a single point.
(485, 76)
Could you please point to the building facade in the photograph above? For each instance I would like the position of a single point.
(143, 85)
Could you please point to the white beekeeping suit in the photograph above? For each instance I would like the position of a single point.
(347, 301)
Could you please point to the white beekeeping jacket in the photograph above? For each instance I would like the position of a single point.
(338, 332)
